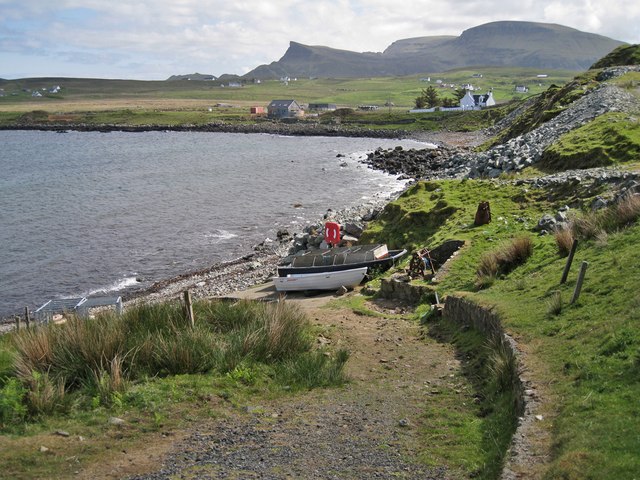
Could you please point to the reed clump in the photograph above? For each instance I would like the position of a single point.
(104, 355)
(617, 216)
(503, 260)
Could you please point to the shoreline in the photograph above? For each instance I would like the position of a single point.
(259, 264)
(268, 127)
(254, 268)
(438, 137)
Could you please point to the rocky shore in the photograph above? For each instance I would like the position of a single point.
(269, 127)
(260, 265)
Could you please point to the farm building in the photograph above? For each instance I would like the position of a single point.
(284, 109)
(326, 107)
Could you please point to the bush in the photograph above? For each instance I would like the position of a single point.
(12, 409)
(109, 384)
(554, 304)
(186, 351)
(502, 365)
(45, 395)
(103, 355)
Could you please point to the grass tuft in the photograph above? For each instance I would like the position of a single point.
(503, 260)
(554, 304)
(618, 216)
(564, 240)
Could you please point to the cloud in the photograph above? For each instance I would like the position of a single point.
(216, 36)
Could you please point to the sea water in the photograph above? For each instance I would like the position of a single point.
(87, 213)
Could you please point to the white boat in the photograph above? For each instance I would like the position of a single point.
(320, 281)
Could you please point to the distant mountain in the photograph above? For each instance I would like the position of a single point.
(193, 76)
(507, 43)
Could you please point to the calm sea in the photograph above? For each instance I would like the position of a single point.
(85, 213)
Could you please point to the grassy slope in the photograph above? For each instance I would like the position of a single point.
(588, 356)
(611, 139)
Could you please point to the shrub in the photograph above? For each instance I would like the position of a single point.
(489, 265)
(588, 225)
(34, 350)
(109, 384)
(617, 216)
(186, 351)
(626, 211)
(274, 333)
(12, 409)
(45, 395)
(502, 365)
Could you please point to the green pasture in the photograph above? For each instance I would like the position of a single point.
(401, 91)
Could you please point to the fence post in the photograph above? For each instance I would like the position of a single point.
(583, 271)
(567, 266)
(27, 318)
(189, 308)
(18, 325)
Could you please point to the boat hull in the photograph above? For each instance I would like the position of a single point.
(348, 263)
(320, 281)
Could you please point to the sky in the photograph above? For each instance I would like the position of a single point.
(154, 39)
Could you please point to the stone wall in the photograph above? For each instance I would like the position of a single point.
(521, 456)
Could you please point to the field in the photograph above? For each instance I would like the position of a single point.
(81, 95)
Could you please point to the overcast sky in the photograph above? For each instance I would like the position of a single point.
(154, 39)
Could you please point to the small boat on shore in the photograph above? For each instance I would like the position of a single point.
(320, 281)
(342, 258)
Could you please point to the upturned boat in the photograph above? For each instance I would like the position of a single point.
(320, 281)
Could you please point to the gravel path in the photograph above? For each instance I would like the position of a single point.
(367, 429)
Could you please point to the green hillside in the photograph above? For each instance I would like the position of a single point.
(584, 358)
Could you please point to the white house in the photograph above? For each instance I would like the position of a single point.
(476, 102)
(522, 89)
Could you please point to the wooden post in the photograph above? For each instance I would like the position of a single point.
(189, 308)
(27, 318)
(567, 266)
(18, 322)
(583, 271)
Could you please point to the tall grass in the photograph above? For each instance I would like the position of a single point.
(617, 216)
(503, 260)
(564, 240)
(104, 355)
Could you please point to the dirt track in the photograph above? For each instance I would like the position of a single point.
(369, 428)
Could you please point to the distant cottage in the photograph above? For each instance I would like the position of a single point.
(284, 109)
(476, 102)
(522, 89)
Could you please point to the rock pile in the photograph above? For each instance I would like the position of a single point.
(514, 155)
